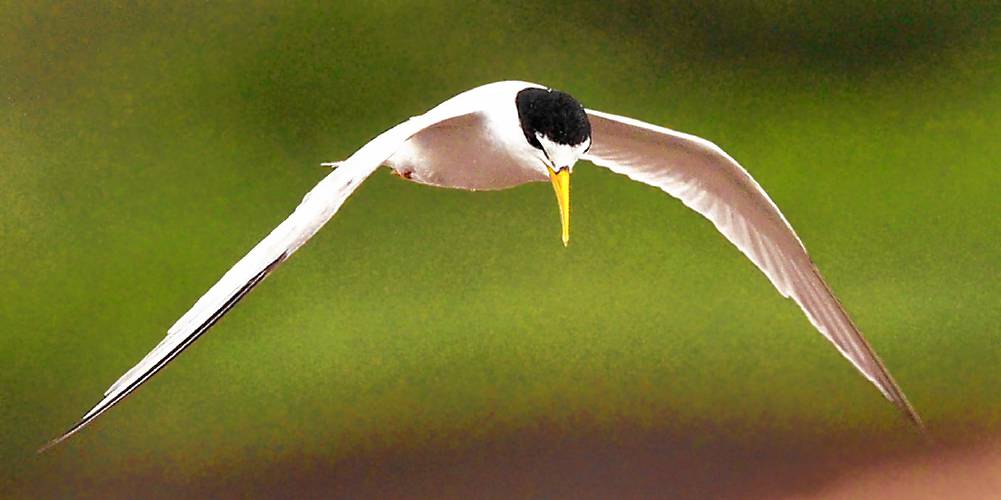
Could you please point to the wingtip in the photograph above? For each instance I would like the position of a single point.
(48, 446)
(897, 397)
(914, 418)
(66, 435)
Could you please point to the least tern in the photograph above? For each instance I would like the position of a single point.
(509, 133)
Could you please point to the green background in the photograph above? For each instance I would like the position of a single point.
(436, 342)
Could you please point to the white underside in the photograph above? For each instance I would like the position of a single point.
(465, 153)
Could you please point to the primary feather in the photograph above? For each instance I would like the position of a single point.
(709, 181)
(317, 207)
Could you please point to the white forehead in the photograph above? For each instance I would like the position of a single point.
(562, 155)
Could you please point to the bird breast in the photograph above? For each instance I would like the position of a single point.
(473, 152)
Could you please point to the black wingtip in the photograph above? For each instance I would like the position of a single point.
(59, 439)
(106, 404)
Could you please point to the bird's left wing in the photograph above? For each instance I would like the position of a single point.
(709, 181)
(317, 207)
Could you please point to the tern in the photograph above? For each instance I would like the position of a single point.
(509, 133)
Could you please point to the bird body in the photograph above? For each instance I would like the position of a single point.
(509, 133)
(482, 149)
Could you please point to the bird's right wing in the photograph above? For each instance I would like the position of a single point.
(709, 181)
(318, 206)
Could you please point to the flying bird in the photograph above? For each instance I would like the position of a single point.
(505, 134)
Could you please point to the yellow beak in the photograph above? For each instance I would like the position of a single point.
(561, 184)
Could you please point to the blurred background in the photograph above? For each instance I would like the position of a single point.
(442, 343)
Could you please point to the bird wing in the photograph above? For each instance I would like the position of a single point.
(317, 207)
(709, 181)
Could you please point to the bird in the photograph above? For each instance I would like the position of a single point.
(508, 133)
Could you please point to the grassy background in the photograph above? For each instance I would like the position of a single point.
(428, 340)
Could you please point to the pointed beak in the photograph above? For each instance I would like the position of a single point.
(561, 184)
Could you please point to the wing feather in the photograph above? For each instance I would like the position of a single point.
(316, 208)
(709, 181)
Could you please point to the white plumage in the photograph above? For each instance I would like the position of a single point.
(482, 139)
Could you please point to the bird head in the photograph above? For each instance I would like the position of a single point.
(556, 125)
